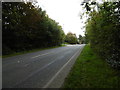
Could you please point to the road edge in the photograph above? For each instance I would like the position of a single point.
(58, 79)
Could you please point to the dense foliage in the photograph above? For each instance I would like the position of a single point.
(82, 39)
(71, 38)
(25, 27)
(103, 31)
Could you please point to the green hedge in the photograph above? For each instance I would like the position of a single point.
(103, 31)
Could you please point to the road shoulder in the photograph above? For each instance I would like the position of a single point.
(58, 79)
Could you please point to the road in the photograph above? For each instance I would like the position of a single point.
(39, 69)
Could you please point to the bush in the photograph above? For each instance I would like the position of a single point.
(103, 31)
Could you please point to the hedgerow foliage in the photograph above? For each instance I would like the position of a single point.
(103, 31)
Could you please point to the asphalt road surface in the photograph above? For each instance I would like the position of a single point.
(42, 69)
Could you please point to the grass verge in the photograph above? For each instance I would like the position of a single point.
(29, 51)
(90, 71)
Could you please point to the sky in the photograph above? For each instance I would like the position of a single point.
(66, 13)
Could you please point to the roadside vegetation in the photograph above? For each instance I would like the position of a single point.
(71, 38)
(103, 30)
(90, 71)
(26, 26)
(99, 63)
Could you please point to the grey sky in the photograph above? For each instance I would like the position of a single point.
(66, 12)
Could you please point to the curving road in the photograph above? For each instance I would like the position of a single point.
(42, 69)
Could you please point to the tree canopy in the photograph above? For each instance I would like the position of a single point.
(71, 38)
(25, 27)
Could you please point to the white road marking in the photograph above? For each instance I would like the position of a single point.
(50, 81)
(40, 55)
(30, 75)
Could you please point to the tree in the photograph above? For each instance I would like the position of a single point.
(71, 38)
(103, 30)
(26, 27)
(80, 39)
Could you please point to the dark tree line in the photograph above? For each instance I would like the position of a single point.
(103, 31)
(25, 27)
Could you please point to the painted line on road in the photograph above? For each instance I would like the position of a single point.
(30, 75)
(43, 54)
(40, 55)
(50, 81)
